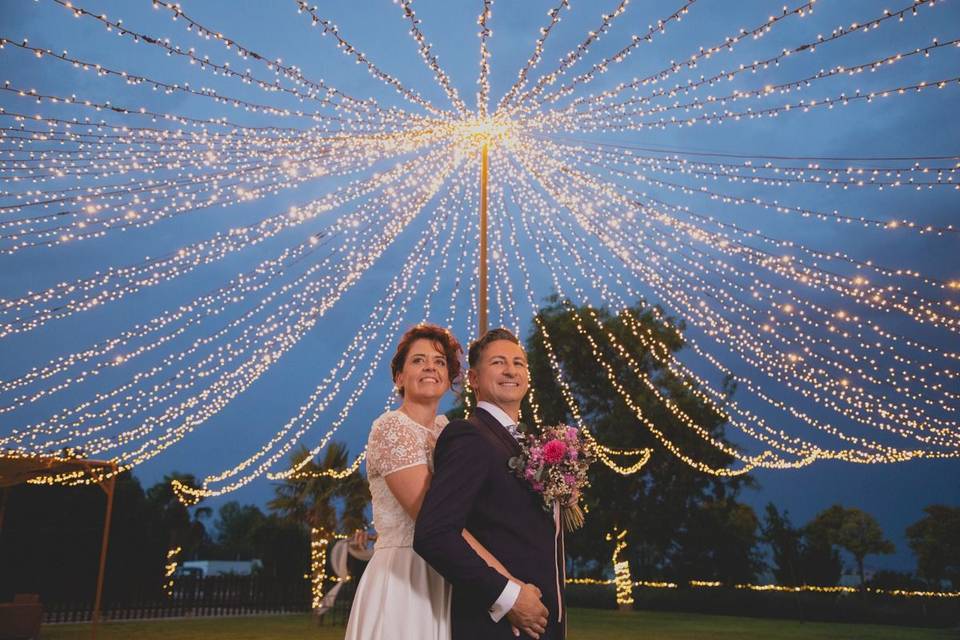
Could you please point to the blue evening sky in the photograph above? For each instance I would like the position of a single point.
(923, 124)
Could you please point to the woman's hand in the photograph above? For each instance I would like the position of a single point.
(361, 539)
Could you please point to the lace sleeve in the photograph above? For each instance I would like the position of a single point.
(394, 445)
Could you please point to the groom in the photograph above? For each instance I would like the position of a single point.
(474, 489)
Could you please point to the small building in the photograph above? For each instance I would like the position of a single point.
(207, 568)
(850, 577)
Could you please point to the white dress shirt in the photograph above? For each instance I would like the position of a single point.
(508, 597)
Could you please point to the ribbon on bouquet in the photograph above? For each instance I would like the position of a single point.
(558, 535)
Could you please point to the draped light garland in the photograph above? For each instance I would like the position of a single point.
(805, 588)
(840, 352)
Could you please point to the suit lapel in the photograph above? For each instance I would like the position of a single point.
(486, 421)
(483, 420)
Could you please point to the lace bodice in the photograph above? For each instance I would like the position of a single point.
(396, 442)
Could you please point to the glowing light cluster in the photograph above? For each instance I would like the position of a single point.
(318, 566)
(170, 568)
(621, 569)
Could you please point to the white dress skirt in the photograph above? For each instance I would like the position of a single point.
(400, 596)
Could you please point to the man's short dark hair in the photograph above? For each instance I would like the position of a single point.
(478, 345)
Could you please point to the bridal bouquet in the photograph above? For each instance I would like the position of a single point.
(555, 463)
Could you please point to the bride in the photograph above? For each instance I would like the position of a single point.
(400, 595)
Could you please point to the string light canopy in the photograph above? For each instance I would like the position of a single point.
(183, 211)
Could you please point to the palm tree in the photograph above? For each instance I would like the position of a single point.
(311, 497)
(186, 531)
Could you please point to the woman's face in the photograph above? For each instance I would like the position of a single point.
(424, 375)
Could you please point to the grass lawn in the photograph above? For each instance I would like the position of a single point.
(585, 624)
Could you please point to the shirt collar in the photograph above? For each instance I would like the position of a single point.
(496, 412)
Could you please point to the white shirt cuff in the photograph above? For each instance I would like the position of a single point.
(506, 601)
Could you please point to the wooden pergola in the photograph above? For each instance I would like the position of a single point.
(16, 470)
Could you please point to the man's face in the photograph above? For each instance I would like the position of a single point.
(500, 376)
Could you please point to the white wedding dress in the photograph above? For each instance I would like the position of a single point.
(400, 596)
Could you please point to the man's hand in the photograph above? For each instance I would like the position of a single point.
(528, 613)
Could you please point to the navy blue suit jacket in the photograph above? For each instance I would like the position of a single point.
(474, 489)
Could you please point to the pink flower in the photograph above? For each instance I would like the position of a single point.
(538, 487)
(568, 479)
(554, 451)
(572, 453)
(572, 432)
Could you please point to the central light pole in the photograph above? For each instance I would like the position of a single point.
(483, 131)
(482, 320)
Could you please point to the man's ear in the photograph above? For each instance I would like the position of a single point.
(472, 378)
